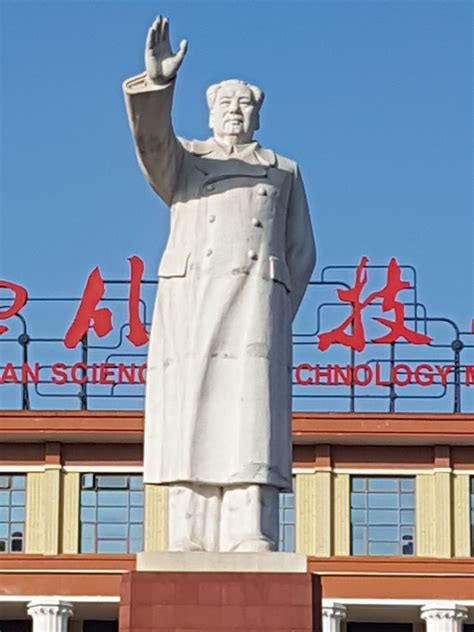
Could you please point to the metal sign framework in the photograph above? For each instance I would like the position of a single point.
(452, 347)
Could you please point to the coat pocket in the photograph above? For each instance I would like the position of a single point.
(173, 264)
(279, 272)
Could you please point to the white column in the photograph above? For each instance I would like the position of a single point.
(49, 615)
(332, 617)
(443, 616)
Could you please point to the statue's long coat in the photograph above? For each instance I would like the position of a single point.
(238, 259)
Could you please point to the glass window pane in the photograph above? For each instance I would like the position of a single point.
(88, 499)
(136, 514)
(407, 516)
(359, 501)
(87, 481)
(87, 546)
(383, 501)
(289, 516)
(136, 483)
(17, 514)
(136, 532)
(4, 482)
(119, 514)
(408, 501)
(136, 499)
(358, 484)
(383, 533)
(112, 482)
(4, 499)
(407, 484)
(384, 548)
(111, 546)
(4, 529)
(88, 531)
(383, 484)
(108, 530)
(358, 516)
(359, 547)
(18, 498)
(4, 514)
(383, 516)
(112, 499)
(18, 481)
(88, 514)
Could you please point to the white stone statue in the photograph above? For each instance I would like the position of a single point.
(238, 259)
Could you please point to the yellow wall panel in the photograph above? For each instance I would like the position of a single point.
(34, 513)
(313, 514)
(51, 510)
(425, 515)
(156, 518)
(443, 516)
(70, 513)
(341, 513)
(461, 512)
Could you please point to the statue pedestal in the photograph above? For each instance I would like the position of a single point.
(227, 598)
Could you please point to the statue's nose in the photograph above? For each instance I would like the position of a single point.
(234, 106)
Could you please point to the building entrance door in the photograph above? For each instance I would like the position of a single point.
(19, 625)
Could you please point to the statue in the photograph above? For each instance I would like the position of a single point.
(238, 259)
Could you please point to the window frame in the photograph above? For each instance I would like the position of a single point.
(365, 499)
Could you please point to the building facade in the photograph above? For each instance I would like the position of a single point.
(383, 507)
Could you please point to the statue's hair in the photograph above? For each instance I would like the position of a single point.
(212, 91)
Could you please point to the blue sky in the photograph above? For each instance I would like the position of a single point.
(373, 99)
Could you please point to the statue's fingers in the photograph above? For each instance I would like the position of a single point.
(183, 47)
(150, 38)
(156, 27)
(165, 30)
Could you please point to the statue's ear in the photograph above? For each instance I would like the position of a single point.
(257, 121)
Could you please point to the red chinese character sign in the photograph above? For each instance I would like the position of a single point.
(355, 339)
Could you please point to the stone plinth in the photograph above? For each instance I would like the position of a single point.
(225, 601)
(204, 562)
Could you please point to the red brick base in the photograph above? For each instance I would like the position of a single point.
(234, 602)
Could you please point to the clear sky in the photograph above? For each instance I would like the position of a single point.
(373, 99)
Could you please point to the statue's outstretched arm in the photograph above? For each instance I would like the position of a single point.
(149, 99)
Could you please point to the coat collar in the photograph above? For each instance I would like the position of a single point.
(252, 152)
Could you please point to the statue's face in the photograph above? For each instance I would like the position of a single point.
(234, 115)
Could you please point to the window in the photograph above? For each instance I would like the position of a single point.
(382, 515)
(111, 513)
(287, 522)
(472, 515)
(12, 513)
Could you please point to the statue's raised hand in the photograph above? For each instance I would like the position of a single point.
(160, 63)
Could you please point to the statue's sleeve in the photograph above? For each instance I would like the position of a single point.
(300, 246)
(159, 152)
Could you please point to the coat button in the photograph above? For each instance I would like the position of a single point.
(252, 255)
(256, 222)
(261, 191)
(208, 252)
(212, 219)
(209, 187)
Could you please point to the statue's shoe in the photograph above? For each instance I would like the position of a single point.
(255, 545)
(186, 545)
